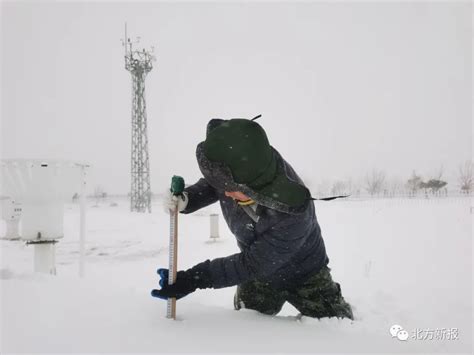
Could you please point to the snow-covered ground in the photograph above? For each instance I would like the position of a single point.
(399, 261)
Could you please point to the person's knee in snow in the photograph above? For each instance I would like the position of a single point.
(259, 297)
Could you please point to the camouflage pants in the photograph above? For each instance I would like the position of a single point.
(318, 297)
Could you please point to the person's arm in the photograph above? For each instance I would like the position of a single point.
(271, 251)
(200, 195)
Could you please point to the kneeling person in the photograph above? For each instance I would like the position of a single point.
(271, 213)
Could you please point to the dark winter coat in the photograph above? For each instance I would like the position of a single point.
(283, 248)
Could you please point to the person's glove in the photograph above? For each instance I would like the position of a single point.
(170, 201)
(187, 282)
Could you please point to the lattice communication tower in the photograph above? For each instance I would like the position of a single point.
(139, 64)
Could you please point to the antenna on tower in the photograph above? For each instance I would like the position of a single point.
(125, 41)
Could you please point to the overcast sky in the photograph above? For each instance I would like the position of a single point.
(343, 87)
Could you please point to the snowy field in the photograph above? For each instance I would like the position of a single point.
(406, 262)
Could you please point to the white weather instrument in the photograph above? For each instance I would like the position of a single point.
(43, 187)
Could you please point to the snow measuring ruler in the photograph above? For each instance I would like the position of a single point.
(177, 188)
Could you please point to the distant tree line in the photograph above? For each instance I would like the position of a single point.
(376, 183)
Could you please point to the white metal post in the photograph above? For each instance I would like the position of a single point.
(82, 228)
(44, 257)
(214, 218)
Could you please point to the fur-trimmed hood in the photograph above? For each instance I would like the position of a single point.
(219, 176)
